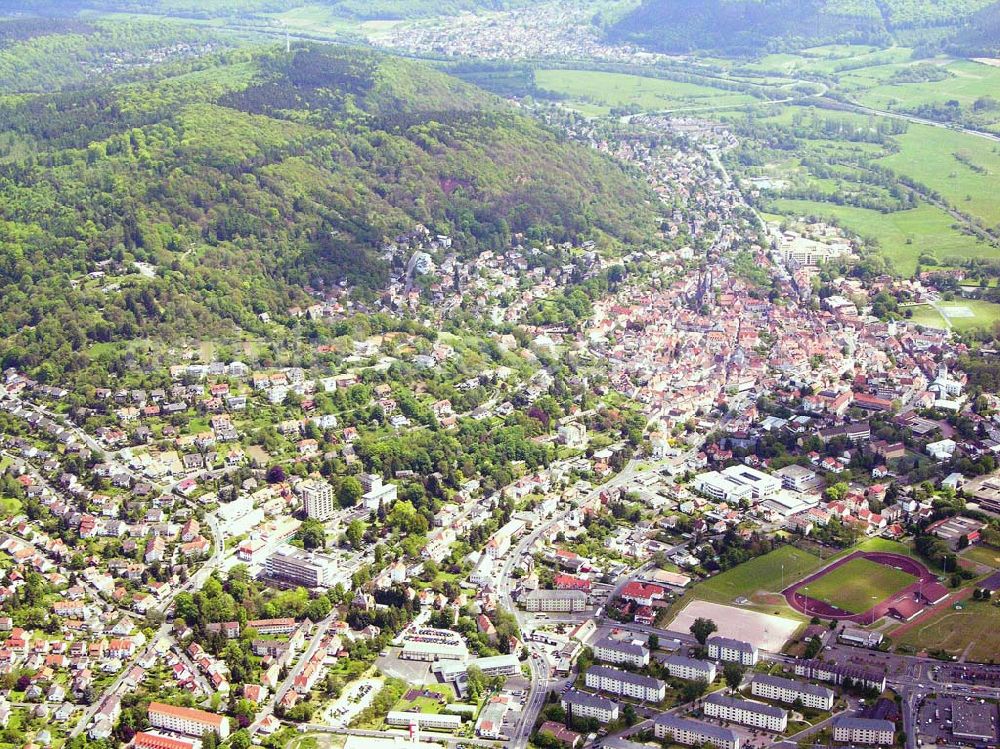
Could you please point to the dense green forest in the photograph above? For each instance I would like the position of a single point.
(247, 176)
(753, 27)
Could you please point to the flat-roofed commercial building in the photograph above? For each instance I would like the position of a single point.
(565, 601)
(621, 651)
(437, 721)
(616, 681)
(861, 638)
(586, 705)
(746, 712)
(692, 669)
(789, 691)
(736, 651)
(305, 568)
(975, 721)
(847, 730)
(187, 720)
(433, 650)
(719, 486)
(694, 732)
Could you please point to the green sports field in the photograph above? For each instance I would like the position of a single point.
(761, 574)
(858, 585)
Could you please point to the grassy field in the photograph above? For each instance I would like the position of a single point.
(984, 315)
(858, 585)
(597, 92)
(928, 155)
(760, 574)
(902, 236)
(976, 627)
(983, 555)
(427, 704)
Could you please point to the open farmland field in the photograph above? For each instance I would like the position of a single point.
(934, 157)
(858, 585)
(599, 92)
(902, 236)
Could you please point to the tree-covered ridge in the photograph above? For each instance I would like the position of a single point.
(240, 201)
(754, 27)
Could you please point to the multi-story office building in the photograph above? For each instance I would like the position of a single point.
(187, 720)
(849, 730)
(790, 691)
(305, 568)
(692, 669)
(621, 651)
(586, 705)
(694, 732)
(317, 499)
(616, 681)
(737, 651)
(746, 712)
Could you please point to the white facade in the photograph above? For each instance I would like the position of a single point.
(586, 705)
(789, 691)
(187, 720)
(736, 651)
(863, 731)
(441, 721)
(317, 498)
(616, 651)
(694, 732)
(691, 669)
(746, 712)
(616, 681)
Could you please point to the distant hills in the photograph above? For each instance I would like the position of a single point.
(249, 175)
(753, 27)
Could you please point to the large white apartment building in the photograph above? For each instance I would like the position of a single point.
(317, 499)
(736, 651)
(616, 681)
(746, 712)
(694, 732)
(621, 651)
(567, 601)
(187, 720)
(789, 691)
(692, 669)
(862, 730)
(586, 705)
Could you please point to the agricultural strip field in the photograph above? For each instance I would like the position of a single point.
(598, 92)
(858, 585)
(975, 627)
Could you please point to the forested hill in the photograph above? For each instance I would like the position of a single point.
(754, 27)
(244, 178)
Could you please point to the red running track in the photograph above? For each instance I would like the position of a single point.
(813, 607)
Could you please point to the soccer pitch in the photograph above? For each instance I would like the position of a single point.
(857, 585)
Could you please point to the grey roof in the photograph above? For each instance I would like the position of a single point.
(864, 724)
(728, 642)
(576, 697)
(626, 676)
(680, 660)
(707, 730)
(799, 686)
(621, 646)
(616, 742)
(760, 708)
